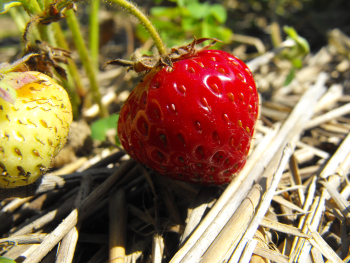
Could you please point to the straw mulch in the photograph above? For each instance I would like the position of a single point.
(289, 204)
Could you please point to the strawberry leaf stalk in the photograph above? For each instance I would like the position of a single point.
(35, 116)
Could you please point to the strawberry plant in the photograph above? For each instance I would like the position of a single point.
(35, 115)
(192, 116)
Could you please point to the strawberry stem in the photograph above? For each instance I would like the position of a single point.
(145, 22)
(78, 39)
(72, 67)
(94, 32)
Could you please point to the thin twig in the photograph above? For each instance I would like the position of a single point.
(117, 226)
(77, 214)
(66, 251)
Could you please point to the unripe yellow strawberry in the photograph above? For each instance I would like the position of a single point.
(32, 130)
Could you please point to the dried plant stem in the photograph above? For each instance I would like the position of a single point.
(331, 115)
(23, 240)
(13, 205)
(77, 214)
(68, 243)
(220, 249)
(117, 226)
(157, 248)
(269, 255)
(200, 205)
(318, 242)
(41, 222)
(307, 204)
(290, 131)
(340, 155)
(293, 166)
(316, 219)
(248, 252)
(227, 195)
(287, 229)
(263, 206)
(47, 183)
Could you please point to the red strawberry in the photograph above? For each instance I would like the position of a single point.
(193, 121)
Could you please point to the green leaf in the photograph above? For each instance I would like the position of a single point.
(6, 260)
(198, 11)
(189, 24)
(100, 127)
(219, 13)
(169, 12)
(180, 3)
(220, 32)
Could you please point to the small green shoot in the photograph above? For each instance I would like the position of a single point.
(296, 53)
(301, 48)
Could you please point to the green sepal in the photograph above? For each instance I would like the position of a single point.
(100, 127)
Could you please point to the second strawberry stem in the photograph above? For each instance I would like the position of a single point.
(145, 22)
